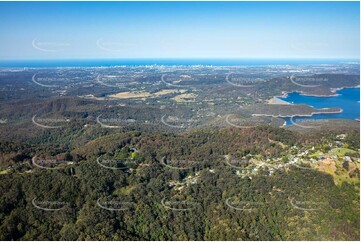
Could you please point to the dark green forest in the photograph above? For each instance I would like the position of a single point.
(136, 199)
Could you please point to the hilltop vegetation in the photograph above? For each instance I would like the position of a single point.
(204, 199)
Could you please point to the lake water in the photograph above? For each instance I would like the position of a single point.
(348, 100)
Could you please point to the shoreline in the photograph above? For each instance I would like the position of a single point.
(298, 115)
(276, 100)
(302, 93)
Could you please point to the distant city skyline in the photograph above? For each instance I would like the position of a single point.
(122, 30)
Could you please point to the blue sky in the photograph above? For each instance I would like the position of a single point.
(58, 30)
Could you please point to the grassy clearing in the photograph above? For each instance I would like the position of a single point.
(342, 151)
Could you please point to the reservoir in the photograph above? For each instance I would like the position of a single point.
(348, 99)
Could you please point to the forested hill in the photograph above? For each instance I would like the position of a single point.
(228, 184)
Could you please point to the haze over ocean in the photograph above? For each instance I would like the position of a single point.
(168, 62)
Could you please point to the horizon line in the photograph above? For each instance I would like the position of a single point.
(185, 58)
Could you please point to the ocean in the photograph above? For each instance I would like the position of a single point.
(165, 62)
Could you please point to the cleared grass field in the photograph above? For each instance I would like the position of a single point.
(142, 94)
(129, 95)
(342, 151)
